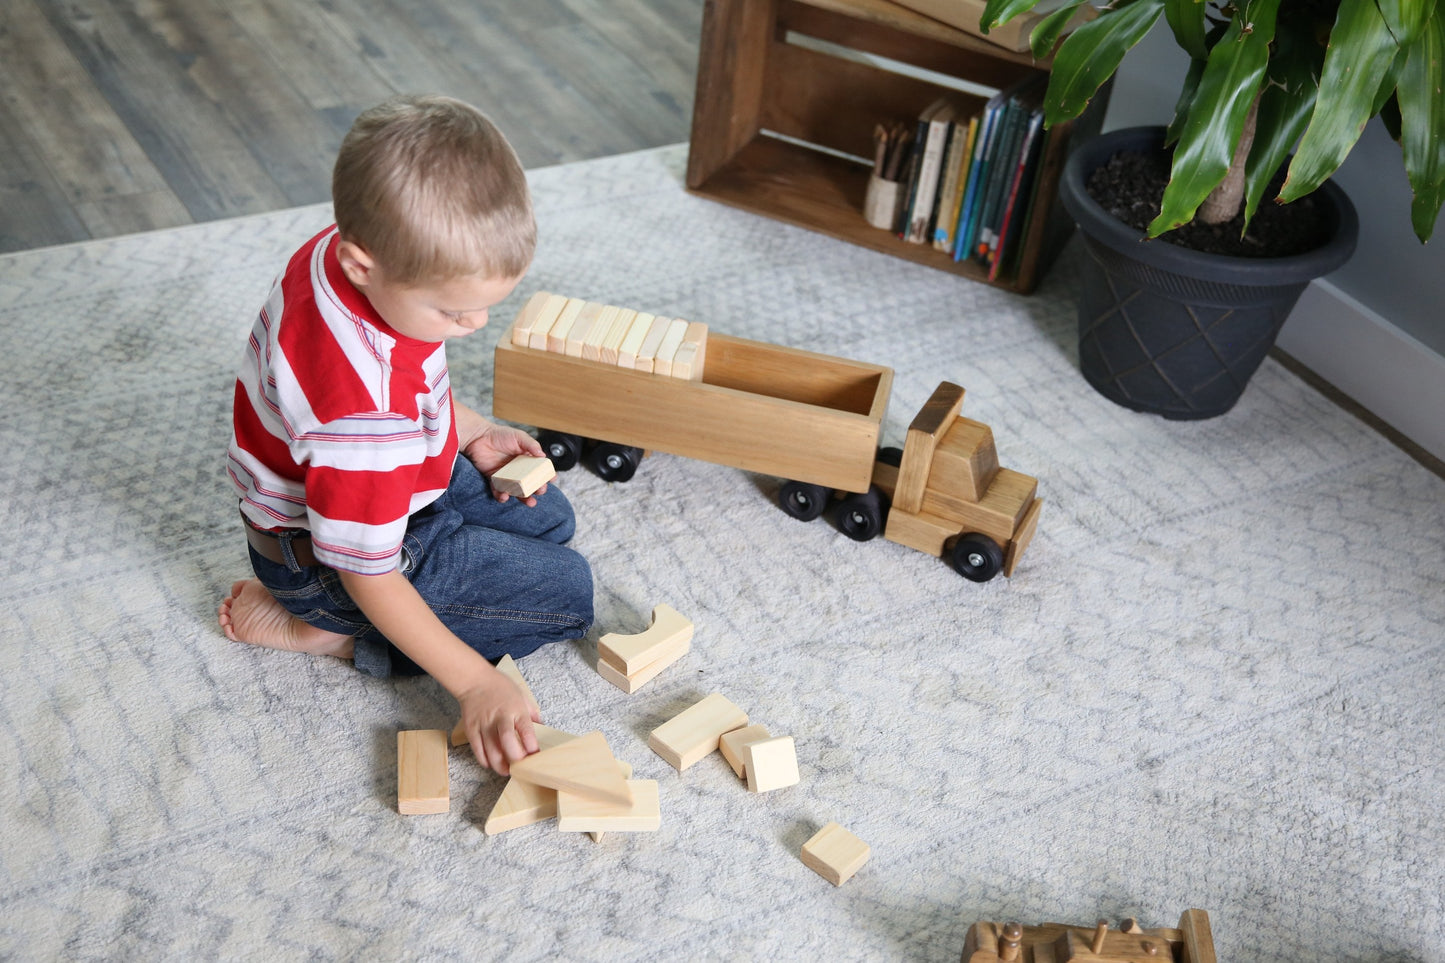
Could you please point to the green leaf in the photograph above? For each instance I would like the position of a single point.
(1091, 54)
(1232, 78)
(1284, 111)
(1186, 19)
(1361, 54)
(1406, 18)
(1186, 98)
(1046, 32)
(1422, 122)
(999, 12)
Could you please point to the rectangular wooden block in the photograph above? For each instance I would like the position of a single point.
(630, 682)
(730, 744)
(771, 763)
(647, 353)
(671, 341)
(694, 732)
(584, 766)
(632, 342)
(592, 345)
(612, 344)
(422, 780)
(527, 318)
(582, 328)
(547, 316)
(562, 327)
(579, 814)
(965, 461)
(523, 475)
(835, 854)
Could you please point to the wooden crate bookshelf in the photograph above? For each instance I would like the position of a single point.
(754, 82)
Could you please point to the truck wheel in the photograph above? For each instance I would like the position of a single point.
(613, 462)
(562, 448)
(977, 557)
(803, 501)
(860, 517)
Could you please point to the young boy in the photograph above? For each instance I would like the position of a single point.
(370, 538)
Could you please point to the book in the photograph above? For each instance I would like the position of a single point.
(933, 126)
(1001, 169)
(978, 171)
(1020, 196)
(960, 146)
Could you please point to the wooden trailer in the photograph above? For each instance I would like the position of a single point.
(579, 372)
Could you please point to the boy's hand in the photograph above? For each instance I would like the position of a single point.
(498, 722)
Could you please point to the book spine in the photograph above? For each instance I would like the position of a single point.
(977, 169)
(946, 216)
(1010, 226)
(929, 172)
(1000, 172)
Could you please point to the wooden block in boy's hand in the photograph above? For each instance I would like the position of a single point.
(422, 783)
(508, 667)
(835, 854)
(523, 475)
(584, 766)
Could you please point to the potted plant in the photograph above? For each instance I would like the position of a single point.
(1169, 330)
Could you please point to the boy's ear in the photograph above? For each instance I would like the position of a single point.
(356, 264)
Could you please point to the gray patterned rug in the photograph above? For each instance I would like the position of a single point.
(1213, 682)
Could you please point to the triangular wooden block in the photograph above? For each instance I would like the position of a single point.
(584, 766)
(521, 804)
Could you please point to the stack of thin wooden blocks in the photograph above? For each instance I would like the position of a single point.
(612, 335)
(631, 661)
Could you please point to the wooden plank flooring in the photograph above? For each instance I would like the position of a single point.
(129, 115)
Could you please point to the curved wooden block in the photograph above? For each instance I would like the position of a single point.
(631, 653)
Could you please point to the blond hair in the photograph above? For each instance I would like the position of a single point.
(430, 188)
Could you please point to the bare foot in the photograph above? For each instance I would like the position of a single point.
(252, 615)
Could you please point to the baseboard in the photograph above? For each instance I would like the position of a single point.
(1388, 372)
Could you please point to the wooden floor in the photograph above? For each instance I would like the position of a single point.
(128, 115)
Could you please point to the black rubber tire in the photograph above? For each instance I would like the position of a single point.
(891, 456)
(977, 557)
(612, 462)
(803, 501)
(563, 449)
(861, 516)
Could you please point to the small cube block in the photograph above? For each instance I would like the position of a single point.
(730, 744)
(835, 854)
(422, 781)
(523, 475)
(771, 763)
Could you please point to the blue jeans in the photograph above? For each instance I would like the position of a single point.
(498, 574)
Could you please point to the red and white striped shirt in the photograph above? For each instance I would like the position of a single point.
(342, 425)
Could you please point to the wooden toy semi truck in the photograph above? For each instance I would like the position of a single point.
(1191, 942)
(581, 373)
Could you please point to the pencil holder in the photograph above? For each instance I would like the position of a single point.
(880, 204)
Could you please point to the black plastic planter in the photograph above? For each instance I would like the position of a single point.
(1170, 331)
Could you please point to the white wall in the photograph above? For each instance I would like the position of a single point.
(1374, 319)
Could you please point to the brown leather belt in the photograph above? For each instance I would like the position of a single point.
(268, 546)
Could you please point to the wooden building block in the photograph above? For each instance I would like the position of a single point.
(612, 344)
(730, 744)
(630, 682)
(557, 334)
(523, 475)
(521, 804)
(691, 355)
(997, 514)
(671, 341)
(835, 854)
(632, 342)
(582, 328)
(1197, 936)
(628, 653)
(770, 763)
(527, 318)
(547, 316)
(694, 732)
(964, 461)
(647, 352)
(584, 766)
(579, 814)
(928, 426)
(422, 782)
(592, 344)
